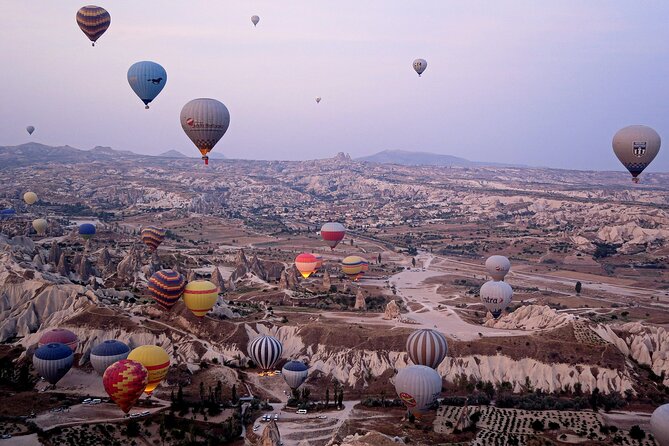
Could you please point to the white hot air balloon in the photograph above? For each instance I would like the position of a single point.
(205, 121)
(40, 226)
(636, 146)
(295, 373)
(659, 425)
(418, 386)
(419, 65)
(496, 296)
(497, 267)
(255, 19)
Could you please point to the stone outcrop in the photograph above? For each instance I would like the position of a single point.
(371, 438)
(85, 269)
(130, 265)
(270, 435)
(217, 279)
(283, 281)
(392, 311)
(360, 302)
(63, 267)
(531, 317)
(327, 282)
(104, 261)
(54, 253)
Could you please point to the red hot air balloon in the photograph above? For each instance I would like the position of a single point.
(166, 287)
(60, 335)
(125, 381)
(306, 264)
(333, 233)
(152, 237)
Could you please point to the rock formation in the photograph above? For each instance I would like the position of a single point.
(371, 438)
(104, 262)
(130, 265)
(54, 253)
(63, 267)
(531, 317)
(85, 269)
(392, 311)
(218, 280)
(360, 302)
(283, 281)
(327, 282)
(270, 435)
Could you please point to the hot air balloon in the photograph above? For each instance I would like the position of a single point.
(205, 121)
(52, 361)
(61, 336)
(156, 361)
(200, 296)
(265, 351)
(40, 226)
(496, 296)
(419, 65)
(306, 264)
(30, 197)
(30, 129)
(318, 100)
(93, 21)
(153, 237)
(106, 353)
(427, 347)
(166, 287)
(124, 381)
(659, 425)
(319, 261)
(147, 79)
(418, 386)
(497, 267)
(295, 373)
(86, 230)
(6, 214)
(636, 146)
(333, 233)
(255, 19)
(352, 266)
(365, 265)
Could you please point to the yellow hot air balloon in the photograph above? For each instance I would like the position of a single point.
(352, 267)
(156, 360)
(30, 197)
(200, 296)
(40, 226)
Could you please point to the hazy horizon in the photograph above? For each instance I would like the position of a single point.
(509, 82)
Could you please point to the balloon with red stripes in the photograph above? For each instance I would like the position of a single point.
(166, 287)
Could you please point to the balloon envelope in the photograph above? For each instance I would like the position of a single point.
(333, 233)
(53, 361)
(30, 129)
(419, 65)
(318, 100)
(87, 230)
(636, 146)
(659, 425)
(166, 287)
(295, 373)
(265, 351)
(93, 21)
(255, 19)
(427, 347)
(306, 264)
(156, 361)
(7, 214)
(30, 197)
(60, 335)
(200, 296)
(205, 121)
(40, 226)
(147, 79)
(124, 381)
(496, 296)
(497, 267)
(319, 261)
(153, 237)
(106, 353)
(418, 386)
(352, 267)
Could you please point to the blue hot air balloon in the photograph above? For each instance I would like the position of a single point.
(6, 214)
(105, 354)
(53, 361)
(147, 79)
(265, 351)
(87, 230)
(295, 373)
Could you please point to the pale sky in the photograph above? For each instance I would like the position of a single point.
(531, 82)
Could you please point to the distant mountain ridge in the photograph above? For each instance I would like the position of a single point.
(173, 154)
(408, 158)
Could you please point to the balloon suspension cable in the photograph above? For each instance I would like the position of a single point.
(206, 160)
(93, 44)
(146, 106)
(635, 180)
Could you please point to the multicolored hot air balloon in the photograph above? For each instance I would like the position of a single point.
(30, 197)
(306, 264)
(93, 21)
(295, 373)
(496, 296)
(265, 351)
(659, 425)
(40, 226)
(352, 267)
(124, 381)
(61, 336)
(419, 65)
(6, 214)
(106, 353)
(255, 19)
(30, 129)
(147, 79)
(53, 361)
(166, 287)
(86, 230)
(418, 387)
(200, 296)
(497, 267)
(636, 146)
(156, 361)
(205, 121)
(427, 347)
(153, 237)
(333, 233)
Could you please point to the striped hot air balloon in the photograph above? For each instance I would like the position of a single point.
(30, 197)
(265, 351)
(93, 21)
(352, 267)
(427, 347)
(86, 230)
(106, 353)
(124, 381)
(306, 264)
(60, 335)
(153, 237)
(295, 373)
(200, 296)
(53, 361)
(156, 361)
(333, 233)
(166, 287)
(319, 261)
(418, 386)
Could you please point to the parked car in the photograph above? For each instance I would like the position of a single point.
(96, 401)
(301, 411)
(145, 413)
(322, 417)
(86, 401)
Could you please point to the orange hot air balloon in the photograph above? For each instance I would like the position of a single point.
(156, 361)
(125, 381)
(306, 264)
(200, 296)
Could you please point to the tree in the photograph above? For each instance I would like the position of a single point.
(133, 428)
(340, 400)
(578, 288)
(218, 393)
(327, 397)
(413, 262)
(234, 394)
(202, 391)
(636, 433)
(180, 395)
(378, 258)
